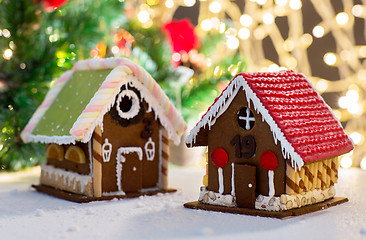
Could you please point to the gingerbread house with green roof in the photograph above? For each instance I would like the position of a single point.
(107, 126)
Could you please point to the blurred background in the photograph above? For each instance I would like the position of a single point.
(191, 48)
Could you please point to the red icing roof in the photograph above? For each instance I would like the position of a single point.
(302, 115)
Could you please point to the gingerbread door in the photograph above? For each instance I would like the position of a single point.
(245, 184)
(129, 169)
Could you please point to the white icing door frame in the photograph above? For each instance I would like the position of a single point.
(121, 159)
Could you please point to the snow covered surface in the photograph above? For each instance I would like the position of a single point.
(27, 214)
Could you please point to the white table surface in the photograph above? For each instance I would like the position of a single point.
(27, 214)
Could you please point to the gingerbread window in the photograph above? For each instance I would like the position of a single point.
(75, 154)
(246, 118)
(128, 104)
(55, 151)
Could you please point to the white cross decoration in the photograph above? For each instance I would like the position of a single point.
(247, 119)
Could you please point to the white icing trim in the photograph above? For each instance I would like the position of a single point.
(221, 180)
(232, 180)
(225, 100)
(160, 157)
(51, 139)
(121, 159)
(150, 149)
(271, 186)
(68, 177)
(135, 108)
(106, 153)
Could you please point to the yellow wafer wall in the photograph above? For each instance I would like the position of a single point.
(316, 175)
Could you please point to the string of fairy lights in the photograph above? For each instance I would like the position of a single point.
(246, 29)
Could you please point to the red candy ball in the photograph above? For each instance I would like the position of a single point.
(219, 157)
(268, 160)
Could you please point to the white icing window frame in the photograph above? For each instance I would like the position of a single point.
(150, 149)
(106, 153)
(135, 107)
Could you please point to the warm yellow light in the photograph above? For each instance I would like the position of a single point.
(281, 2)
(189, 3)
(357, 10)
(244, 33)
(346, 162)
(273, 68)
(288, 45)
(355, 109)
(352, 95)
(356, 137)
(8, 53)
(345, 55)
(291, 63)
(115, 49)
(169, 3)
(209, 62)
(363, 163)
(279, 11)
(231, 32)
(222, 27)
(330, 58)
(246, 20)
(261, 2)
(342, 18)
(53, 38)
(6, 33)
(295, 4)
(232, 43)
(152, 2)
(321, 85)
(337, 114)
(259, 33)
(343, 102)
(143, 16)
(362, 51)
(206, 25)
(268, 18)
(306, 39)
(215, 7)
(215, 23)
(318, 31)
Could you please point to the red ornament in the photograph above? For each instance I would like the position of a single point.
(268, 160)
(219, 157)
(52, 5)
(181, 35)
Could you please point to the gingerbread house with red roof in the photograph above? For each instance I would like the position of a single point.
(107, 125)
(273, 145)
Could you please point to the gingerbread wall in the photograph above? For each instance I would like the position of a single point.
(221, 135)
(136, 174)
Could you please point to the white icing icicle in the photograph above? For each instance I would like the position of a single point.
(221, 180)
(271, 183)
(232, 180)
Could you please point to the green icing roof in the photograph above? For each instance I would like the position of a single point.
(70, 102)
